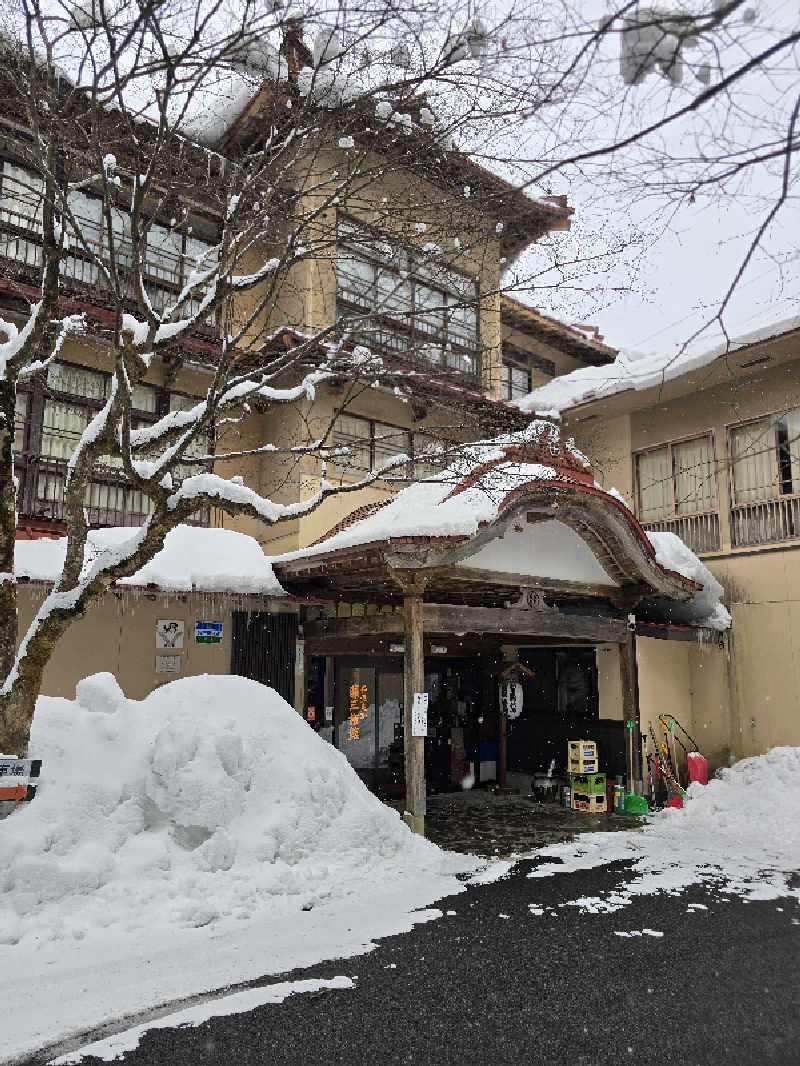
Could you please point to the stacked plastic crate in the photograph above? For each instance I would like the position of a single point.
(587, 784)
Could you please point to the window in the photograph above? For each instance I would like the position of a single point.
(21, 196)
(675, 480)
(370, 444)
(49, 420)
(515, 381)
(170, 256)
(414, 306)
(432, 455)
(765, 480)
(765, 458)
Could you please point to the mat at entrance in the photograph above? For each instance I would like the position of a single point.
(505, 826)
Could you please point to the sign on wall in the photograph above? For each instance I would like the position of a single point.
(169, 633)
(208, 632)
(359, 701)
(419, 715)
(168, 664)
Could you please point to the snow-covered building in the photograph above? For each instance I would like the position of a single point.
(706, 445)
(507, 556)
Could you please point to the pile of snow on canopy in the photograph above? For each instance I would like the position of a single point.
(742, 830)
(210, 800)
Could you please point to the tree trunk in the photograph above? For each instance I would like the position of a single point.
(9, 624)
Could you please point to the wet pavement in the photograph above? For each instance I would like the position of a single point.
(503, 825)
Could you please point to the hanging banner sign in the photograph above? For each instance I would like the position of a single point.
(19, 778)
(511, 699)
(419, 715)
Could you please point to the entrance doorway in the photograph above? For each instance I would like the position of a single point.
(368, 720)
(561, 703)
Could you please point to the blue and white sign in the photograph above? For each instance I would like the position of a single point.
(208, 632)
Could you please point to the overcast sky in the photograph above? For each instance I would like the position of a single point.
(678, 263)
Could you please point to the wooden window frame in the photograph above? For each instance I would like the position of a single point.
(730, 428)
(674, 516)
(354, 471)
(446, 343)
(35, 463)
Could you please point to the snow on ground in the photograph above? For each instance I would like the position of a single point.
(210, 560)
(741, 831)
(114, 1047)
(201, 837)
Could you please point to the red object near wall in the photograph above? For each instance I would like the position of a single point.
(698, 768)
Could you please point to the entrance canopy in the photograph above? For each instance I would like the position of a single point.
(515, 544)
(517, 523)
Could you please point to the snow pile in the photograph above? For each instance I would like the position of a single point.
(201, 837)
(706, 608)
(635, 370)
(211, 799)
(742, 829)
(208, 560)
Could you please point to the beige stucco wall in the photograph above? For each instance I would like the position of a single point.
(745, 699)
(118, 634)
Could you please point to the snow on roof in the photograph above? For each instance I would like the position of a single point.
(705, 609)
(450, 504)
(636, 370)
(192, 559)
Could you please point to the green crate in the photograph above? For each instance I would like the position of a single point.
(591, 784)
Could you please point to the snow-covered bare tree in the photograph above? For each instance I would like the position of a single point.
(171, 179)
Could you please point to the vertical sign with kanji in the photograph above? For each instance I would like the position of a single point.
(359, 701)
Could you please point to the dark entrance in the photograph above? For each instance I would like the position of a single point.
(263, 648)
(561, 703)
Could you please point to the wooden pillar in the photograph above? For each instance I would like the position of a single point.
(502, 746)
(300, 676)
(413, 681)
(630, 712)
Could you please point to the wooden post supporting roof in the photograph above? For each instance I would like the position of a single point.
(630, 713)
(413, 681)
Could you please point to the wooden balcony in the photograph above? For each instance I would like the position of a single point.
(84, 281)
(765, 521)
(700, 532)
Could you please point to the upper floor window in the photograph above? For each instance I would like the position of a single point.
(413, 305)
(50, 418)
(675, 479)
(370, 444)
(515, 381)
(765, 480)
(21, 196)
(765, 458)
(169, 255)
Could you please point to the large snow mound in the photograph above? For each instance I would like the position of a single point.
(742, 830)
(211, 799)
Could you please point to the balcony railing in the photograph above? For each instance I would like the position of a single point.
(164, 272)
(765, 521)
(410, 341)
(700, 532)
(108, 501)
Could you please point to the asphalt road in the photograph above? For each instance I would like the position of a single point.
(721, 987)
